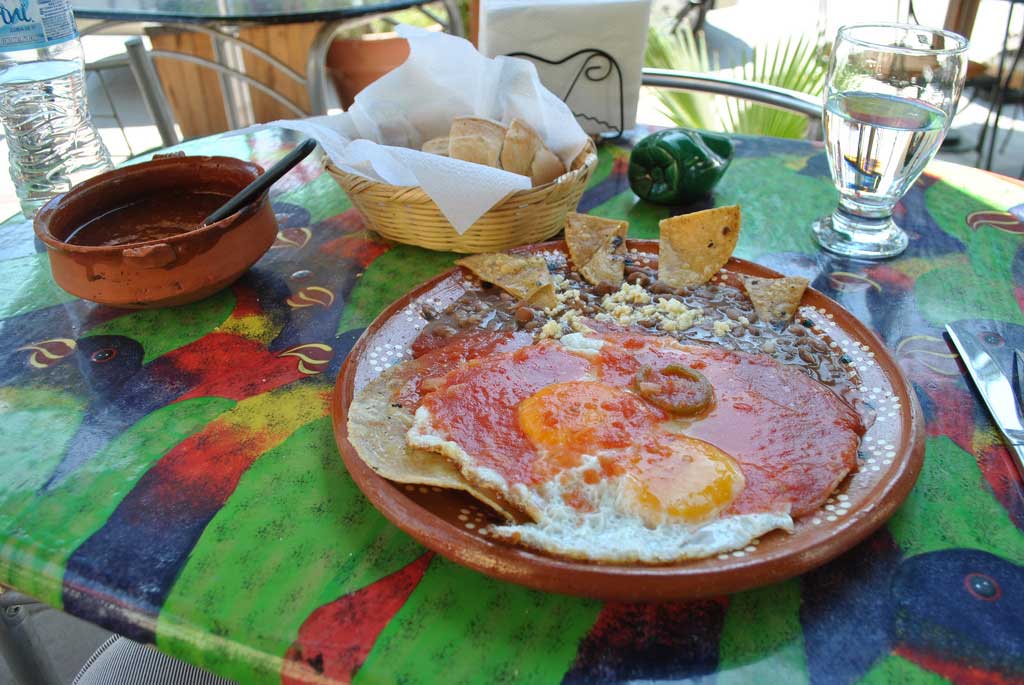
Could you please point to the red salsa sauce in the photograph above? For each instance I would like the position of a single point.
(794, 438)
(431, 365)
(477, 404)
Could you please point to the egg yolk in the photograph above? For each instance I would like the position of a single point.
(678, 477)
(665, 475)
(564, 421)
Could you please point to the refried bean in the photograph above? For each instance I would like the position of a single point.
(738, 327)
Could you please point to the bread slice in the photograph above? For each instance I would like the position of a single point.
(437, 146)
(521, 145)
(546, 167)
(476, 140)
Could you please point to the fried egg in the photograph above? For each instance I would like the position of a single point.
(564, 431)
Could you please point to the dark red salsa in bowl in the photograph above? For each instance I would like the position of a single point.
(132, 237)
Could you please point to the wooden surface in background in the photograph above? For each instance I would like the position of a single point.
(474, 21)
(194, 91)
(960, 16)
(290, 44)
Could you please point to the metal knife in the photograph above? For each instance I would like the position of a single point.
(996, 365)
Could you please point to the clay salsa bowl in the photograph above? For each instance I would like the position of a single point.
(167, 271)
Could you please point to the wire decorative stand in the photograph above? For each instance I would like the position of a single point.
(597, 66)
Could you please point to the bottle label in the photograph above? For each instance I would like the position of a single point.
(26, 24)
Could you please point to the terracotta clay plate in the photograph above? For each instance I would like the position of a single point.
(454, 524)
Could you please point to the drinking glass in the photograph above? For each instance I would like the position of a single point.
(890, 95)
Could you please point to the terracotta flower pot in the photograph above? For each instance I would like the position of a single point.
(167, 271)
(355, 63)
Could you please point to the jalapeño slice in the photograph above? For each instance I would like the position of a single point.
(676, 388)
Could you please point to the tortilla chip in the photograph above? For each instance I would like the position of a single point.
(596, 246)
(775, 299)
(525, 277)
(695, 246)
(376, 429)
(544, 298)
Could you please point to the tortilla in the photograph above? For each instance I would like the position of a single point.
(695, 246)
(527, 278)
(596, 246)
(775, 299)
(377, 426)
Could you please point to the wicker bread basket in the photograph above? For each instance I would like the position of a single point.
(408, 215)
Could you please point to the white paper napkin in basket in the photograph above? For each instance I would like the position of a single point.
(444, 77)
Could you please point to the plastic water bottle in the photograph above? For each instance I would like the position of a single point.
(52, 141)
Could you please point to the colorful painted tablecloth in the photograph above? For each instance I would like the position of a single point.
(172, 474)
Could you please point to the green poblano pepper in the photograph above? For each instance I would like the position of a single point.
(678, 165)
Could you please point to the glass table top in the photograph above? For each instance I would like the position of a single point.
(261, 11)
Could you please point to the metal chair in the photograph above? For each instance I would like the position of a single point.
(772, 96)
(229, 64)
(20, 645)
(101, 70)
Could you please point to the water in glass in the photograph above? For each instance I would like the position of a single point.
(878, 145)
(891, 92)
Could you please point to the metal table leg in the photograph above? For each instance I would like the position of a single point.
(152, 93)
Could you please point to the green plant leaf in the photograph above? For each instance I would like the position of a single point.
(686, 52)
(792, 63)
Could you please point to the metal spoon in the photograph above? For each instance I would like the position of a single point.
(261, 184)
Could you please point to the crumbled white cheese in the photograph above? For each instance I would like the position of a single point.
(574, 321)
(671, 306)
(721, 327)
(744, 320)
(632, 304)
(622, 312)
(556, 311)
(552, 329)
(688, 318)
(580, 343)
(629, 293)
(567, 295)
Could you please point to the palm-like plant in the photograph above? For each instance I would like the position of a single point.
(683, 51)
(793, 64)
